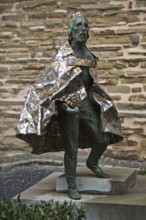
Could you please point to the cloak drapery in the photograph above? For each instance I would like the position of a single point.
(61, 81)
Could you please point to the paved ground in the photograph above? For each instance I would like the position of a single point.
(20, 170)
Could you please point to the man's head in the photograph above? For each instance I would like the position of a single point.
(78, 29)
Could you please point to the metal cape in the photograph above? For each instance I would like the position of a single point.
(61, 79)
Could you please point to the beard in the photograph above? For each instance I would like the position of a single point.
(80, 38)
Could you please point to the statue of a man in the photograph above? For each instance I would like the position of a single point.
(66, 108)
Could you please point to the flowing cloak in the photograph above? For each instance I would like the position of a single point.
(62, 81)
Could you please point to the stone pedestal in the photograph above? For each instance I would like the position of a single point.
(120, 181)
(131, 206)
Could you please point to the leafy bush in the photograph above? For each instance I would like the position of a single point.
(142, 171)
(16, 210)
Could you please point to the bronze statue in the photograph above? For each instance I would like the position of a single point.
(66, 108)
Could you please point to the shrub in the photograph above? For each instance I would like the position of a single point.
(14, 209)
(142, 171)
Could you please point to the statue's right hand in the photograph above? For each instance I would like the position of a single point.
(68, 109)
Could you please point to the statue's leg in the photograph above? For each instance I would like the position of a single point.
(99, 145)
(69, 123)
(97, 150)
(100, 141)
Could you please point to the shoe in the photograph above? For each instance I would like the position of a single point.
(73, 193)
(97, 171)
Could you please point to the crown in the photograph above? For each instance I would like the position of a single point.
(78, 14)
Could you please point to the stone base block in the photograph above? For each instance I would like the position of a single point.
(120, 181)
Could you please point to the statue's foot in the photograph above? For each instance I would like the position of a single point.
(73, 193)
(97, 171)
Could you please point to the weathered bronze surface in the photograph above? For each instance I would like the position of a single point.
(66, 109)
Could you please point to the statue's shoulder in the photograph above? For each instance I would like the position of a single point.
(65, 49)
(63, 52)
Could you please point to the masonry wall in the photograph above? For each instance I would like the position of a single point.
(32, 30)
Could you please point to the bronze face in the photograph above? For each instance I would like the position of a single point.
(79, 29)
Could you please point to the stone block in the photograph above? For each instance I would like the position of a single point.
(31, 4)
(120, 181)
(12, 17)
(79, 1)
(96, 39)
(18, 55)
(54, 22)
(108, 81)
(132, 80)
(104, 65)
(37, 28)
(101, 6)
(6, 34)
(120, 65)
(116, 97)
(136, 89)
(137, 98)
(144, 87)
(140, 3)
(143, 64)
(5, 6)
(118, 89)
(110, 19)
(132, 106)
(103, 47)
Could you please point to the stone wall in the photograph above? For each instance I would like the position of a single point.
(32, 30)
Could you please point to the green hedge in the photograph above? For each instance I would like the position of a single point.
(142, 171)
(51, 210)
